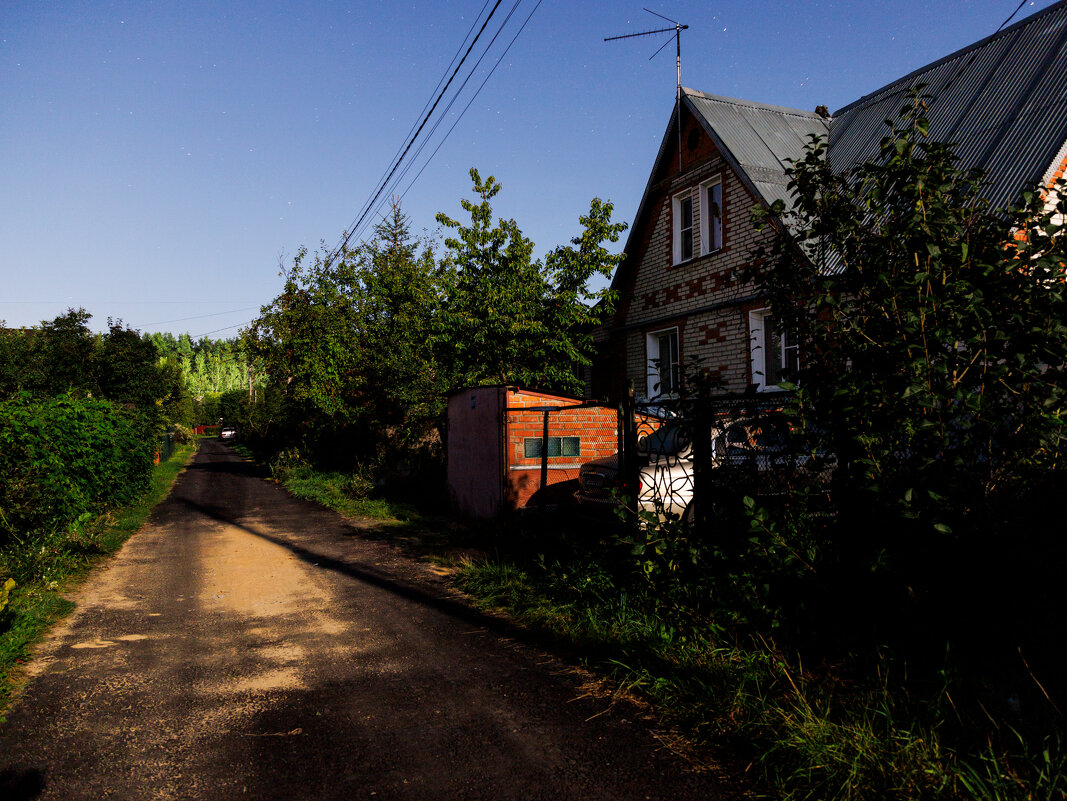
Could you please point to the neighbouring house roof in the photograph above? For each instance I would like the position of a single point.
(1002, 102)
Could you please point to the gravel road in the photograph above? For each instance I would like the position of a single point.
(246, 644)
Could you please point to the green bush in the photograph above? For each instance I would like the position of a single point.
(64, 457)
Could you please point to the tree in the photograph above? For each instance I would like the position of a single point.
(507, 318)
(397, 297)
(63, 353)
(933, 339)
(127, 368)
(304, 341)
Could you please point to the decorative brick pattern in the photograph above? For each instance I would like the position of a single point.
(662, 295)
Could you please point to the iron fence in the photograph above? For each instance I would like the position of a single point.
(696, 460)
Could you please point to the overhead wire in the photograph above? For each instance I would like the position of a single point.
(376, 199)
(429, 100)
(365, 211)
(470, 102)
(422, 146)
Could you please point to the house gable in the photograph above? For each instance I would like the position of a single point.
(1002, 101)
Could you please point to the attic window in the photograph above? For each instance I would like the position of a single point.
(693, 140)
(711, 216)
(682, 205)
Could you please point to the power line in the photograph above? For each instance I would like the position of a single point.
(201, 316)
(365, 211)
(455, 97)
(440, 81)
(469, 102)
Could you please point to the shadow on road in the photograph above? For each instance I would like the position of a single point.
(421, 595)
(18, 784)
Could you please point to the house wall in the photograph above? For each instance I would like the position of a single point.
(703, 298)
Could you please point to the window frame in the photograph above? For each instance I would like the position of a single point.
(569, 447)
(758, 330)
(677, 204)
(654, 376)
(711, 225)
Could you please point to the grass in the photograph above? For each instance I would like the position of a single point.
(794, 733)
(351, 494)
(54, 564)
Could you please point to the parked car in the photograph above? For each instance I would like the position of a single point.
(227, 433)
(758, 455)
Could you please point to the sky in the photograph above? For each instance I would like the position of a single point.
(160, 162)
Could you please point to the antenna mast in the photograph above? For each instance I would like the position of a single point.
(677, 31)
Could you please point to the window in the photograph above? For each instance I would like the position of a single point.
(775, 355)
(557, 446)
(663, 364)
(710, 216)
(683, 227)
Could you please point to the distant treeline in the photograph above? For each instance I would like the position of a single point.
(208, 366)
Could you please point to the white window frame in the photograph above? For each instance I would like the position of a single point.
(711, 216)
(679, 232)
(758, 329)
(652, 352)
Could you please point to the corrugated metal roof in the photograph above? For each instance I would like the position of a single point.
(759, 138)
(1002, 102)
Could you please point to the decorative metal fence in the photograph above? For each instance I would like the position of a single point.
(696, 460)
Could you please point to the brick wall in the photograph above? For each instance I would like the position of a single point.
(596, 428)
(660, 295)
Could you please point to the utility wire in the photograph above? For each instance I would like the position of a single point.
(441, 80)
(396, 162)
(441, 117)
(470, 102)
(200, 316)
(440, 120)
(374, 203)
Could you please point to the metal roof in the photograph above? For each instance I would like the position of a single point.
(759, 138)
(1002, 102)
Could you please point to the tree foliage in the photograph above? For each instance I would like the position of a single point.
(508, 318)
(933, 329)
(64, 356)
(348, 341)
(363, 345)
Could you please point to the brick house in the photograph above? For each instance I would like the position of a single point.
(1002, 101)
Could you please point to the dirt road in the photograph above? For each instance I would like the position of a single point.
(249, 645)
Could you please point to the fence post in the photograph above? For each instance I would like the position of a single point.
(544, 464)
(701, 433)
(628, 467)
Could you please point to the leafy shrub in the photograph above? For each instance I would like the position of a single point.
(65, 457)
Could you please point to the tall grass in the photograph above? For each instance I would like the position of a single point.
(795, 733)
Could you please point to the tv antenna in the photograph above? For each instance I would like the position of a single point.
(677, 31)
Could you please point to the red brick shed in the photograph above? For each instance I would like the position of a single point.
(496, 447)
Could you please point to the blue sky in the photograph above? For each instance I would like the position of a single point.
(161, 159)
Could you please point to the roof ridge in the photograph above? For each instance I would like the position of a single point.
(735, 101)
(950, 57)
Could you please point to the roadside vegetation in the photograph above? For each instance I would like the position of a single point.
(82, 422)
(907, 642)
(37, 566)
